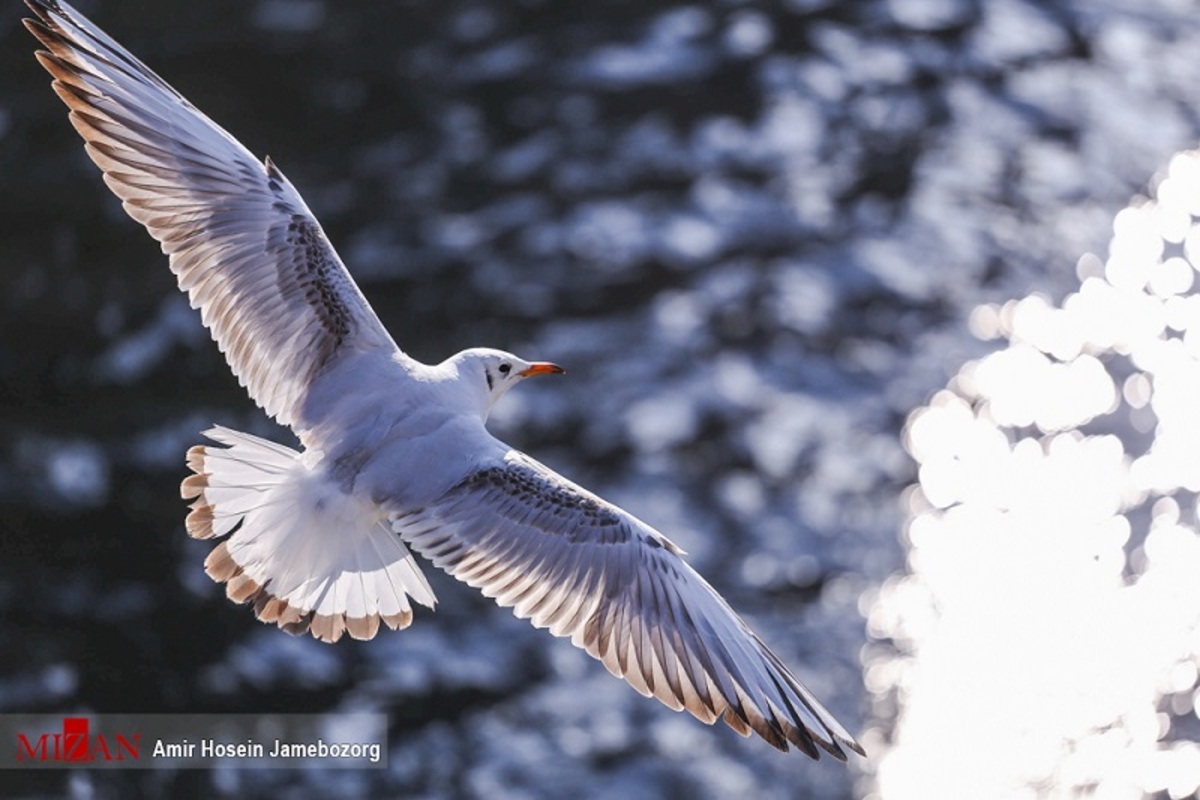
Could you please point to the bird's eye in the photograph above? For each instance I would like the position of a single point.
(505, 369)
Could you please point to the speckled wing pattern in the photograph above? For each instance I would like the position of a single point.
(581, 567)
(242, 243)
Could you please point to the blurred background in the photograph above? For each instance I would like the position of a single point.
(834, 286)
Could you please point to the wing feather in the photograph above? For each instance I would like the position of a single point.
(568, 561)
(242, 243)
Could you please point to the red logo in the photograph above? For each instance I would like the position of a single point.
(75, 745)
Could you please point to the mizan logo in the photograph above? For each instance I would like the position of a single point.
(75, 745)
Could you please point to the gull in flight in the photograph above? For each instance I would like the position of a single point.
(396, 457)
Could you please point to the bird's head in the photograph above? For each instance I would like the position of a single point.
(493, 372)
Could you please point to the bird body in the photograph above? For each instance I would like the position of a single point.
(395, 456)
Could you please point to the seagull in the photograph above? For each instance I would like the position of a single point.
(396, 457)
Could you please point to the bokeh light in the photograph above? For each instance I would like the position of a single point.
(1045, 637)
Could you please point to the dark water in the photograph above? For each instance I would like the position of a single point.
(751, 231)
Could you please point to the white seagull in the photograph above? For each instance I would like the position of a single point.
(396, 456)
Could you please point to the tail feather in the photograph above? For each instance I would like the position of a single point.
(389, 581)
(308, 556)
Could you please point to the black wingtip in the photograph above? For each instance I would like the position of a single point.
(37, 27)
(44, 27)
(44, 8)
(272, 170)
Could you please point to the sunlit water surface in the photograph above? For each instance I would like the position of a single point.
(1048, 623)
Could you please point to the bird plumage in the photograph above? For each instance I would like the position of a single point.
(396, 455)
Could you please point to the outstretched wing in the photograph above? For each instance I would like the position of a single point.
(241, 241)
(571, 562)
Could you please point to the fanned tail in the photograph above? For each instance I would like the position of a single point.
(307, 555)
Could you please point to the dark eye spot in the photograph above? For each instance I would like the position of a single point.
(505, 369)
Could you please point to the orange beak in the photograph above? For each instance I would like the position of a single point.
(541, 368)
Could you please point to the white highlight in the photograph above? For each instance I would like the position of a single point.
(1047, 630)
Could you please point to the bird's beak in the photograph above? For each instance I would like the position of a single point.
(541, 368)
